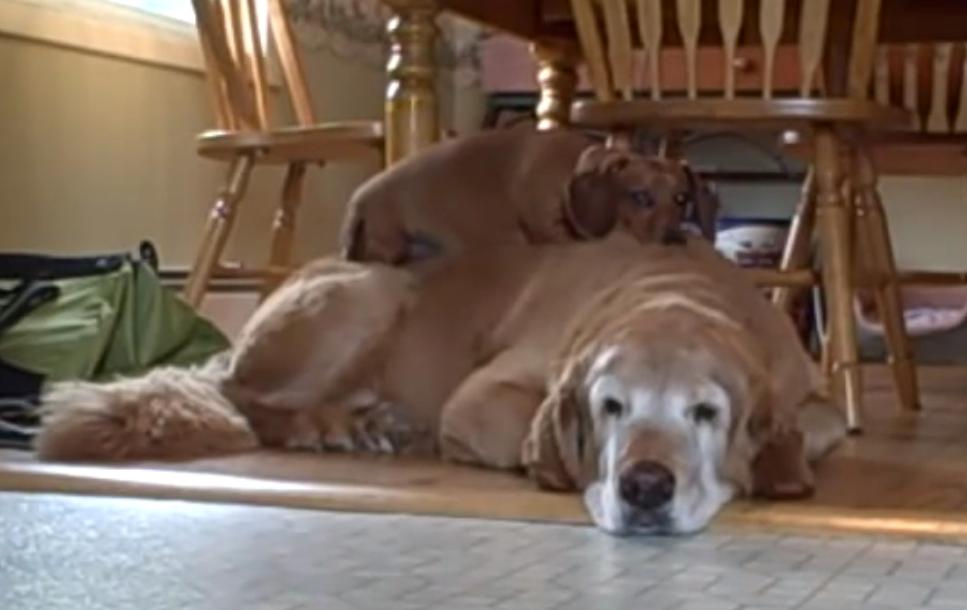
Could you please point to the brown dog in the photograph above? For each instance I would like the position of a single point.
(655, 379)
(519, 185)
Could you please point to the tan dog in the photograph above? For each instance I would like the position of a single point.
(655, 379)
(515, 186)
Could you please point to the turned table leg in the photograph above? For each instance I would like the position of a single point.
(557, 80)
(412, 111)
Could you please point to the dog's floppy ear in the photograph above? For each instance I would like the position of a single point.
(373, 235)
(353, 240)
(558, 453)
(590, 205)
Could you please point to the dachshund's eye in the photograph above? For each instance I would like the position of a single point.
(703, 413)
(613, 407)
(682, 199)
(642, 199)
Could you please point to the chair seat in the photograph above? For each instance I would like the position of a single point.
(748, 111)
(322, 142)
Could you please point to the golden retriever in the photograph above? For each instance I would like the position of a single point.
(655, 379)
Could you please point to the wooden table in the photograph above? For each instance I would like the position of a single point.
(411, 106)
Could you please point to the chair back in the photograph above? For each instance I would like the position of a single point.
(234, 42)
(643, 45)
(929, 80)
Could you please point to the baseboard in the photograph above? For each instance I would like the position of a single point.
(176, 278)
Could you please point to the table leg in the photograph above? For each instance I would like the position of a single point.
(557, 80)
(412, 119)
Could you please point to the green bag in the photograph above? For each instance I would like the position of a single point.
(96, 318)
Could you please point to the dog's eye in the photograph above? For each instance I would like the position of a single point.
(704, 413)
(613, 407)
(682, 199)
(642, 199)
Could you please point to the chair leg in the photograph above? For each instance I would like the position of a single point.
(672, 144)
(557, 79)
(283, 227)
(833, 222)
(796, 254)
(873, 234)
(219, 226)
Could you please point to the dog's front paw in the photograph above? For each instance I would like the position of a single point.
(381, 429)
(780, 470)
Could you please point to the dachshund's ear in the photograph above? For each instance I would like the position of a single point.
(590, 205)
(601, 159)
(558, 453)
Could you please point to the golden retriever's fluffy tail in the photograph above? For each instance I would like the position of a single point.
(169, 414)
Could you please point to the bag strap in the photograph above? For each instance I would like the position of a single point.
(24, 298)
(36, 266)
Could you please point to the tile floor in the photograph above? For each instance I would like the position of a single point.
(100, 553)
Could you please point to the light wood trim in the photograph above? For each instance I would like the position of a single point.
(911, 89)
(106, 29)
(881, 76)
(619, 45)
(689, 23)
(256, 59)
(960, 124)
(813, 21)
(291, 61)
(452, 496)
(650, 31)
(730, 22)
(938, 121)
(591, 44)
(866, 30)
(770, 26)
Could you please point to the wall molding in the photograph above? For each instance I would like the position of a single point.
(104, 28)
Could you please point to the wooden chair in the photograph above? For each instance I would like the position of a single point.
(835, 44)
(236, 72)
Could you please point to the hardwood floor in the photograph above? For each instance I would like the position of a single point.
(907, 474)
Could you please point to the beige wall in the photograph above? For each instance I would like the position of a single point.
(97, 152)
(928, 220)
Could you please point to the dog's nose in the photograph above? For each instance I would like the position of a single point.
(673, 236)
(646, 485)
